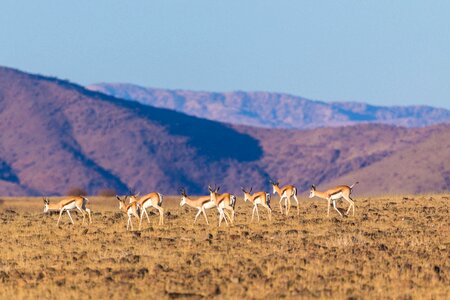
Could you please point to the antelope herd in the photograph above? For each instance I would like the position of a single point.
(224, 203)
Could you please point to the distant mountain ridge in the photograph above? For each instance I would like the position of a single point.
(56, 135)
(274, 110)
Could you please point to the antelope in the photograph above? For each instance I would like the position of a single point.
(201, 204)
(150, 200)
(257, 198)
(68, 204)
(223, 201)
(131, 209)
(331, 195)
(286, 192)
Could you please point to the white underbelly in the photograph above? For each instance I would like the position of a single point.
(257, 201)
(210, 204)
(70, 206)
(147, 204)
(336, 196)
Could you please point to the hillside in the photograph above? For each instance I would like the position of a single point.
(56, 135)
(275, 110)
(418, 169)
(383, 158)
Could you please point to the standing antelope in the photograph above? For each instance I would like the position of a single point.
(286, 192)
(261, 198)
(131, 209)
(201, 204)
(223, 201)
(68, 204)
(341, 191)
(150, 200)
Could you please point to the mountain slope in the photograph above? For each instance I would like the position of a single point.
(274, 110)
(383, 158)
(56, 135)
(420, 168)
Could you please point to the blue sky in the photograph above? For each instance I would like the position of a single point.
(381, 52)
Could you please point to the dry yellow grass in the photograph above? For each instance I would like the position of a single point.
(393, 248)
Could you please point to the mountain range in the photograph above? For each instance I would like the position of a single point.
(56, 135)
(274, 110)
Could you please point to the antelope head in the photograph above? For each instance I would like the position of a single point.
(213, 192)
(312, 191)
(275, 185)
(183, 196)
(121, 202)
(247, 194)
(46, 203)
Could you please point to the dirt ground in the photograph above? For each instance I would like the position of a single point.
(394, 248)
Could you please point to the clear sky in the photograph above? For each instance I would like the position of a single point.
(381, 52)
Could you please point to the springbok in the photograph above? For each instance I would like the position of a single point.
(286, 192)
(258, 198)
(154, 200)
(223, 201)
(201, 204)
(131, 209)
(68, 204)
(331, 195)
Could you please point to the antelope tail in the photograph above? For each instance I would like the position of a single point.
(268, 199)
(354, 185)
(233, 201)
(138, 209)
(161, 198)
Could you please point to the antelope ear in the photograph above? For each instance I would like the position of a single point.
(118, 198)
(313, 187)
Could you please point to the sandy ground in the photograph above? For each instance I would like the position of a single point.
(394, 248)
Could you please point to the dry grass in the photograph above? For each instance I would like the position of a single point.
(393, 248)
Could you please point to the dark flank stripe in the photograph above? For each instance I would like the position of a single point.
(67, 203)
(146, 200)
(205, 201)
(340, 191)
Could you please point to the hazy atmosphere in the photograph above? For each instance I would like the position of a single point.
(379, 52)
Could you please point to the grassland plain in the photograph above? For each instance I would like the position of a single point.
(394, 248)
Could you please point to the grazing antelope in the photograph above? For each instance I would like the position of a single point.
(341, 191)
(223, 201)
(201, 204)
(150, 200)
(286, 192)
(257, 198)
(131, 209)
(68, 204)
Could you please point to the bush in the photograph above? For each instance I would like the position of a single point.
(77, 191)
(107, 192)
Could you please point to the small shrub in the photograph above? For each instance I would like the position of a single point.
(77, 191)
(107, 192)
